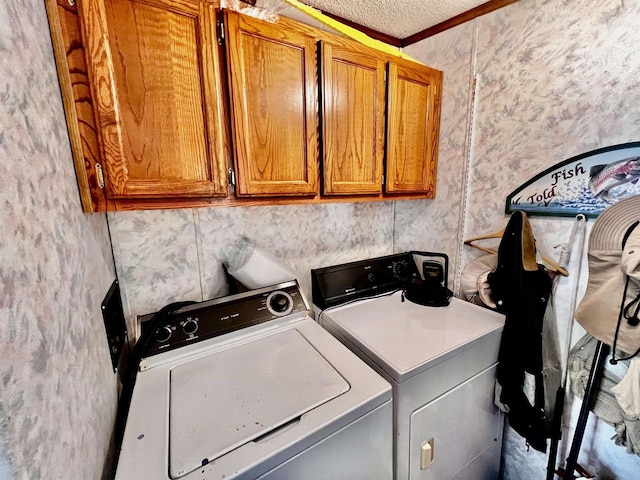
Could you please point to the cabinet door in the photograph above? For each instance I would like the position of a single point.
(352, 121)
(413, 125)
(273, 83)
(154, 82)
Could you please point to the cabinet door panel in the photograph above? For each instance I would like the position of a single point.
(353, 116)
(413, 121)
(474, 454)
(157, 105)
(275, 111)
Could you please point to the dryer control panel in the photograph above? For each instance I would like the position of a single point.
(213, 318)
(342, 283)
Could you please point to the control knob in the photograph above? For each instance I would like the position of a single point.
(163, 334)
(401, 270)
(190, 326)
(279, 303)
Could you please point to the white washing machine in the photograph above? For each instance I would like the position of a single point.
(248, 386)
(441, 362)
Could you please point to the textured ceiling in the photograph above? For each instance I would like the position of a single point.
(398, 18)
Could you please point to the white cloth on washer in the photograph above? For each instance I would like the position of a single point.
(627, 391)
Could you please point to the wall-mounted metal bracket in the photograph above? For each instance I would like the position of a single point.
(114, 323)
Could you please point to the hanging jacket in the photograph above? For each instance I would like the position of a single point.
(521, 289)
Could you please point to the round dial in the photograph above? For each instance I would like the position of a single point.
(190, 327)
(401, 270)
(163, 334)
(279, 303)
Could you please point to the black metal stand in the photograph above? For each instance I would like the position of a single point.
(597, 367)
(556, 433)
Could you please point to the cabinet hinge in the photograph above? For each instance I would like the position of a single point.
(385, 76)
(99, 176)
(383, 179)
(220, 25)
(232, 177)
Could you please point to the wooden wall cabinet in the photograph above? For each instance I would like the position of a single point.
(413, 126)
(274, 98)
(353, 96)
(152, 67)
(164, 111)
(153, 73)
(365, 93)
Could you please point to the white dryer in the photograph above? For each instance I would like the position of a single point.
(249, 386)
(441, 362)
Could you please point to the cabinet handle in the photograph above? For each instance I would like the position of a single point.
(99, 176)
(232, 177)
(220, 25)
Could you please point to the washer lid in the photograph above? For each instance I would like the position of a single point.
(222, 401)
(404, 338)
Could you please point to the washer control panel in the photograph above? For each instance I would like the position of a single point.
(216, 317)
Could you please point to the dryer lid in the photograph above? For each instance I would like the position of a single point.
(404, 338)
(225, 400)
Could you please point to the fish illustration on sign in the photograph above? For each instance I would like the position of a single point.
(603, 178)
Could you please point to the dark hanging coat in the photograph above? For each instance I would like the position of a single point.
(521, 289)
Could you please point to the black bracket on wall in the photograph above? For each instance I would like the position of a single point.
(114, 323)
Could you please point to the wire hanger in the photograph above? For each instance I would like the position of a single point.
(549, 264)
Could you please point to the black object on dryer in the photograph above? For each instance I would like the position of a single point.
(427, 284)
(344, 283)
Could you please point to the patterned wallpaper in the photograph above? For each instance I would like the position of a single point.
(165, 256)
(554, 79)
(57, 389)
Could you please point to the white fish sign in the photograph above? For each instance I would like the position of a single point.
(587, 183)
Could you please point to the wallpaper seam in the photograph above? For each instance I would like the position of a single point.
(197, 231)
(393, 227)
